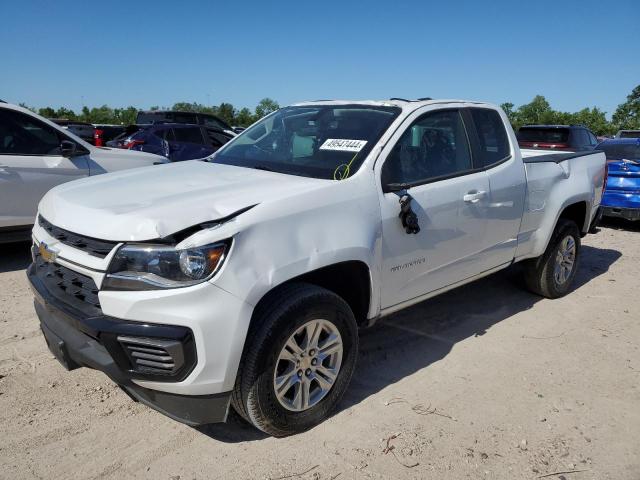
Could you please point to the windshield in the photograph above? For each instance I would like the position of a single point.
(629, 134)
(543, 135)
(327, 141)
(619, 151)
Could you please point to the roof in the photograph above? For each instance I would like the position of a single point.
(392, 102)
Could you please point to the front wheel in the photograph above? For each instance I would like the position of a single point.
(298, 361)
(552, 274)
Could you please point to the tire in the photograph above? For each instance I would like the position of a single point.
(283, 313)
(541, 275)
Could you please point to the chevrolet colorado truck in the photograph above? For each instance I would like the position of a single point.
(242, 280)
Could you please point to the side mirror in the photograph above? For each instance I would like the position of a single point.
(67, 148)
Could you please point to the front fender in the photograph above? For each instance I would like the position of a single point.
(279, 240)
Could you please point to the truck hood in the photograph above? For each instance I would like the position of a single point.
(153, 202)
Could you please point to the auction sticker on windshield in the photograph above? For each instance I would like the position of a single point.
(343, 145)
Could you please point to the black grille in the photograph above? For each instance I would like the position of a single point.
(70, 287)
(153, 355)
(93, 246)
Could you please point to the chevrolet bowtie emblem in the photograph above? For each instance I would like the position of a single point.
(47, 253)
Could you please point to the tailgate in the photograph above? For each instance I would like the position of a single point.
(623, 175)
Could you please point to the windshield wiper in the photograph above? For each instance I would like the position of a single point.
(263, 167)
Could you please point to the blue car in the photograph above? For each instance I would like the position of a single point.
(622, 193)
(176, 141)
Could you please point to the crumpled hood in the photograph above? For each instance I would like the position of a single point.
(152, 202)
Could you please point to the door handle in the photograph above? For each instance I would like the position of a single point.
(474, 196)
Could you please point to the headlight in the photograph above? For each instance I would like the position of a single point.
(153, 267)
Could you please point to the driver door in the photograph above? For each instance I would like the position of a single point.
(432, 158)
(30, 165)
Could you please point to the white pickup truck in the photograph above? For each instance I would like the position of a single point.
(242, 280)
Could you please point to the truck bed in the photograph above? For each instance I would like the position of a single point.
(555, 180)
(543, 156)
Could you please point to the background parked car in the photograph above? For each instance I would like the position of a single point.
(193, 118)
(174, 141)
(573, 138)
(103, 133)
(628, 134)
(81, 129)
(622, 192)
(37, 155)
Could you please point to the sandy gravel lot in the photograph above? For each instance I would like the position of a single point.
(487, 381)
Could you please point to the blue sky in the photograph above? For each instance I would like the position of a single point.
(61, 53)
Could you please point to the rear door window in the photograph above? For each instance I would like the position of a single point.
(209, 121)
(493, 142)
(189, 135)
(164, 134)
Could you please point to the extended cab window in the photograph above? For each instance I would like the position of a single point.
(434, 146)
(320, 141)
(493, 143)
(22, 135)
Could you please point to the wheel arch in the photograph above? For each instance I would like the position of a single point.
(576, 212)
(350, 280)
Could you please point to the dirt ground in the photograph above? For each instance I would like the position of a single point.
(487, 381)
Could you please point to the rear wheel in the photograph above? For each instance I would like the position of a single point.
(552, 274)
(298, 361)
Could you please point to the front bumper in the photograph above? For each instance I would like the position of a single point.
(626, 213)
(81, 340)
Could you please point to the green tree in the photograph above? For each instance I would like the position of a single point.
(537, 111)
(63, 112)
(103, 114)
(190, 107)
(627, 115)
(85, 114)
(511, 114)
(244, 118)
(47, 112)
(593, 118)
(227, 112)
(124, 116)
(265, 107)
